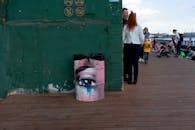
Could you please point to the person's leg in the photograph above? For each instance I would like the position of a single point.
(179, 49)
(178, 52)
(135, 63)
(125, 62)
(130, 73)
(146, 57)
(131, 54)
(141, 55)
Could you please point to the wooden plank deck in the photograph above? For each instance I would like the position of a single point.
(163, 99)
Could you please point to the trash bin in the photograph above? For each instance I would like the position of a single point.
(89, 77)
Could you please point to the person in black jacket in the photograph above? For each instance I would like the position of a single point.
(125, 49)
(178, 46)
(125, 15)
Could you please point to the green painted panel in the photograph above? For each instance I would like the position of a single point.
(35, 9)
(52, 9)
(39, 42)
(3, 77)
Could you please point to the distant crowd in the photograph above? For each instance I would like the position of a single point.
(137, 46)
(173, 49)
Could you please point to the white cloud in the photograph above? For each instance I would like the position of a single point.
(143, 13)
(150, 12)
(132, 4)
(159, 16)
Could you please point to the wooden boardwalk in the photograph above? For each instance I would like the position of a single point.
(163, 99)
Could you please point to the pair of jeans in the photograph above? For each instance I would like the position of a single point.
(125, 61)
(133, 57)
(146, 56)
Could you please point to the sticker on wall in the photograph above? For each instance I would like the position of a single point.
(74, 8)
(79, 11)
(68, 2)
(68, 11)
(79, 2)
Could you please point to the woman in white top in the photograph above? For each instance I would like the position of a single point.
(133, 38)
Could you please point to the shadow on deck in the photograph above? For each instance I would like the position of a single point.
(163, 99)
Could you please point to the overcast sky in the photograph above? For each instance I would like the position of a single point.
(164, 15)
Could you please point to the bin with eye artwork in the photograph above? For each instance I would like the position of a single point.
(89, 77)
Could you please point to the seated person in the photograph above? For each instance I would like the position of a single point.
(189, 53)
(164, 51)
(171, 47)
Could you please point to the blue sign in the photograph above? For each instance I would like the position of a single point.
(113, 0)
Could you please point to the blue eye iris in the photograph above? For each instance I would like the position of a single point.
(86, 83)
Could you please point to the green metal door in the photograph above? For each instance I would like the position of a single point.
(40, 37)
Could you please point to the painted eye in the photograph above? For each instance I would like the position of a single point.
(80, 83)
(93, 83)
(86, 81)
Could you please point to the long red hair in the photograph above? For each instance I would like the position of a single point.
(132, 21)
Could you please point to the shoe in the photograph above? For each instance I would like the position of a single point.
(125, 79)
(140, 60)
(129, 82)
(134, 82)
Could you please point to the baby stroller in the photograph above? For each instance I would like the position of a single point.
(163, 52)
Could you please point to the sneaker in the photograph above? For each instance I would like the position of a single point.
(140, 60)
(125, 79)
(134, 82)
(159, 56)
(129, 82)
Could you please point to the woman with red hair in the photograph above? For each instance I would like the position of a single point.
(133, 38)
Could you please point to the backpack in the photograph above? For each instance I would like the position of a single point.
(180, 37)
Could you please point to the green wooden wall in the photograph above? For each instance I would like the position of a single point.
(38, 39)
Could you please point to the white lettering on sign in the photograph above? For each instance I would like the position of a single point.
(113, 0)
